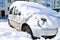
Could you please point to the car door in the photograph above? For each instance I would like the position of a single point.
(16, 15)
(16, 18)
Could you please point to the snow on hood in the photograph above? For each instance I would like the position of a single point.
(52, 16)
(53, 20)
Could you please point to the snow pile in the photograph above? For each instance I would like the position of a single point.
(12, 35)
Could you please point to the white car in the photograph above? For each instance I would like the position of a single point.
(32, 18)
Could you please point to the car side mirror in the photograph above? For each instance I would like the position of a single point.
(19, 13)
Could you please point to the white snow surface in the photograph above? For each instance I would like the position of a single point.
(8, 33)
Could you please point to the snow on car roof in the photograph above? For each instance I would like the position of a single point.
(32, 5)
(42, 10)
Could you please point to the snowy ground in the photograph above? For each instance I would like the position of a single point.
(8, 33)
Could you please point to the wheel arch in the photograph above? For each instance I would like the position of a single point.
(29, 28)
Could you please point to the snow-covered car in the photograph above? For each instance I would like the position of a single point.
(33, 18)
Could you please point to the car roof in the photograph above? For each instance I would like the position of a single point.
(33, 5)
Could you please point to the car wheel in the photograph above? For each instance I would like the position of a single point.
(26, 28)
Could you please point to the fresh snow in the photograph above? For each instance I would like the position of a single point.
(8, 33)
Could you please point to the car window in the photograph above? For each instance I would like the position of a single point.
(11, 10)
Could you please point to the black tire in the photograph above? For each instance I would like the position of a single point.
(27, 29)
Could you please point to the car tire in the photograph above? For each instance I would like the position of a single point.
(26, 28)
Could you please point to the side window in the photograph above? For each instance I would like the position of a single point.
(11, 10)
(16, 11)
